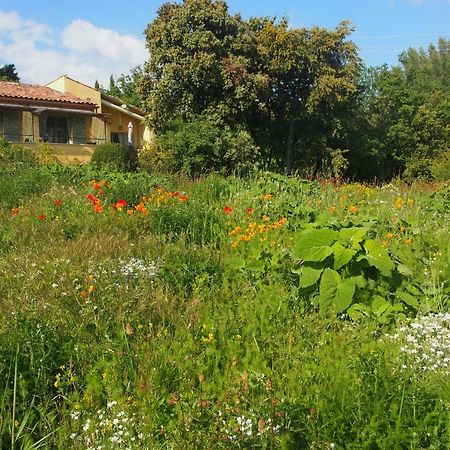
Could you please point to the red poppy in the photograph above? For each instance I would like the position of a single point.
(58, 202)
(183, 198)
(227, 209)
(176, 194)
(121, 203)
(250, 211)
(42, 216)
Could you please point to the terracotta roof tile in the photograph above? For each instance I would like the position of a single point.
(34, 92)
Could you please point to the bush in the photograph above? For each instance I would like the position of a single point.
(201, 146)
(12, 153)
(441, 167)
(116, 156)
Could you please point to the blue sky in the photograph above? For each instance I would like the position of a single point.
(91, 39)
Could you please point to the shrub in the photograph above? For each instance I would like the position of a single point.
(116, 156)
(12, 153)
(201, 146)
(441, 167)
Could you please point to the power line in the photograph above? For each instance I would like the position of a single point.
(397, 36)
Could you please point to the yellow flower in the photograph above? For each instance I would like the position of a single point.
(265, 218)
(408, 241)
(410, 201)
(353, 209)
(267, 196)
(91, 289)
(389, 235)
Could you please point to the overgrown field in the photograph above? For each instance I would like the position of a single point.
(148, 312)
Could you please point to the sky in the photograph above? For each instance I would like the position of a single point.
(90, 40)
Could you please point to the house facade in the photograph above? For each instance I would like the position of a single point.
(70, 116)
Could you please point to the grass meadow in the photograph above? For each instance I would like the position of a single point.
(154, 312)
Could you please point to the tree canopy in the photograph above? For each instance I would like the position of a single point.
(302, 95)
(9, 73)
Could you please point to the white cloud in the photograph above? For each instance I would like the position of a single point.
(82, 51)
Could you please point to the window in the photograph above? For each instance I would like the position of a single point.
(56, 130)
(119, 138)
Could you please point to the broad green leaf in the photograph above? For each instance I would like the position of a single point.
(314, 245)
(344, 295)
(335, 294)
(357, 310)
(408, 299)
(342, 255)
(380, 305)
(309, 276)
(353, 235)
(377, 256)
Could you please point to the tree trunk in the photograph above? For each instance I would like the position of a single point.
(288, 155)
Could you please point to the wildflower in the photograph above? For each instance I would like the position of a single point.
(183, 198)
(332, 209)
(267, 196)
(130, 212)
(399, 202)
(389, 235)
(408, 241)
(58, 202)
(402, 229)
(353, 209)
(91, 289)
(129, 329)
(120, 204)
(98, 209)
(42, 216)
(249, 211)
(265, 218)
(410, 201)
(83, 294)
(227, 209)
(15, 211)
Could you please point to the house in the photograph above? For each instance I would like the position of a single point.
(71, 116)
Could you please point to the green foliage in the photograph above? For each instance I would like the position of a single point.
(201, 146)
(16, 154)
(282, 85)
(231, 313)
(116, 156)
(441, 167)
(9, 73)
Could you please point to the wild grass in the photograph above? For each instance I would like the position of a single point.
(156, 317)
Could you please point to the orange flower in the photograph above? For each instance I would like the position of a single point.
(98, 209)
(389, 235)
(399, 202)
(83, 294)
(42, 216)
(183, 198)
(58, 202)
(265, 218)
(130, 212)
(408, 241)
(402, 229)
(15, 211)
(267, 196)
(353, 209)
(227, 209)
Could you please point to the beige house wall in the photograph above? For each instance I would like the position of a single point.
(69, 86)
(69, 153)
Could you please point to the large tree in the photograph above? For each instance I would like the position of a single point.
(9, 73)
(404, 113)
(274, 80)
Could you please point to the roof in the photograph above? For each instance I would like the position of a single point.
(119, 102)
(22, 91)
